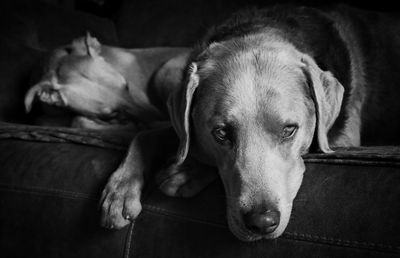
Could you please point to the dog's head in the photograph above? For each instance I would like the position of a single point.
(77, 77)
(253, 110)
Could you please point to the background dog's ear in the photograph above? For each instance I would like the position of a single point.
(179, 105)
(327, 93)
(86, 45)
(92, 45)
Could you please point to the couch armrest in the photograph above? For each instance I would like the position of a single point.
(50, 184)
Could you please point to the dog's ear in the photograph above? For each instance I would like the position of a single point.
(86, 45)
(179, 106)
(327, 93)
(93, 46)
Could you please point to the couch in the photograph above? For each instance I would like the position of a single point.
(51, 177)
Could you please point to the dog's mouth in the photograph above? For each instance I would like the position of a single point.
(46, 95)
(52, 97)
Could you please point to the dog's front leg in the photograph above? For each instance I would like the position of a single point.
(120, 201)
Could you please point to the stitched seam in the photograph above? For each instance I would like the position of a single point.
(70, 141)
(47, 192)
(60, 134)
(289, 235)
(158, 210)
(355, 162)
(340, 242)
(128, 240)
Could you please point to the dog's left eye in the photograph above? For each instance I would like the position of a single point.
(288, 131)
(220, 134)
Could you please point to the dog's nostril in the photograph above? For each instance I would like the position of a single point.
(262, 222)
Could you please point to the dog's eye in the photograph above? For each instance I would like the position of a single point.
(288, 131)
(220, 134)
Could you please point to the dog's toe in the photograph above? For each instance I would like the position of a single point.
(131, 209)
(112, 212)
(120, 203)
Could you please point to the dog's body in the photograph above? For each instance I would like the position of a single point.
(259, 90)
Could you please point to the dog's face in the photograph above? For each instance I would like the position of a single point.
(256, 128)
(78, 78)
(254, 113)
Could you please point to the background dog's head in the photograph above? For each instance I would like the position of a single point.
(78, 78)
(252, 106)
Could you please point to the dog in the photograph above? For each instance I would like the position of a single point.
(257, 93)
(105, 87)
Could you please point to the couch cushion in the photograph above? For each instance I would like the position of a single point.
(348, 204)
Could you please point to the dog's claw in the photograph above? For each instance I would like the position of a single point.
(120, 201)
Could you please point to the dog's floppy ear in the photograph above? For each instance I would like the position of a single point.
(327, 93)
(179, 105)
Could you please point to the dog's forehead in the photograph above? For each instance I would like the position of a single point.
(253, 83)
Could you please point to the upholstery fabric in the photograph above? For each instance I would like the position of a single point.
(50, 183)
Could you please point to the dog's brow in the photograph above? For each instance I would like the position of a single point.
(221, 120)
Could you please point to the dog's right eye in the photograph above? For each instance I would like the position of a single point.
(288, 131)
(220, 134)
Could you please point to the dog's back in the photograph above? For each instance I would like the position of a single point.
(375, 37)
(362, 50)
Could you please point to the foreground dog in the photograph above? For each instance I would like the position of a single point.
(256, 94)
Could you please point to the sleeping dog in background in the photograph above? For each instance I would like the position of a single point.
(255, 95)
(106, 87)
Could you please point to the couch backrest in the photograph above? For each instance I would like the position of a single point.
(182, 22)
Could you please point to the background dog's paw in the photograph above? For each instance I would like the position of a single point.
(185, 181)
(120, 201)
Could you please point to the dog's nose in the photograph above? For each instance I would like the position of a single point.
(262, 222)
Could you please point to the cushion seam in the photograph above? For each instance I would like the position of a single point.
(289, 235)
(128, 242)
(47, 192)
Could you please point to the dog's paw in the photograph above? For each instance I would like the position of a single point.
(120, 200)
(185, 181)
